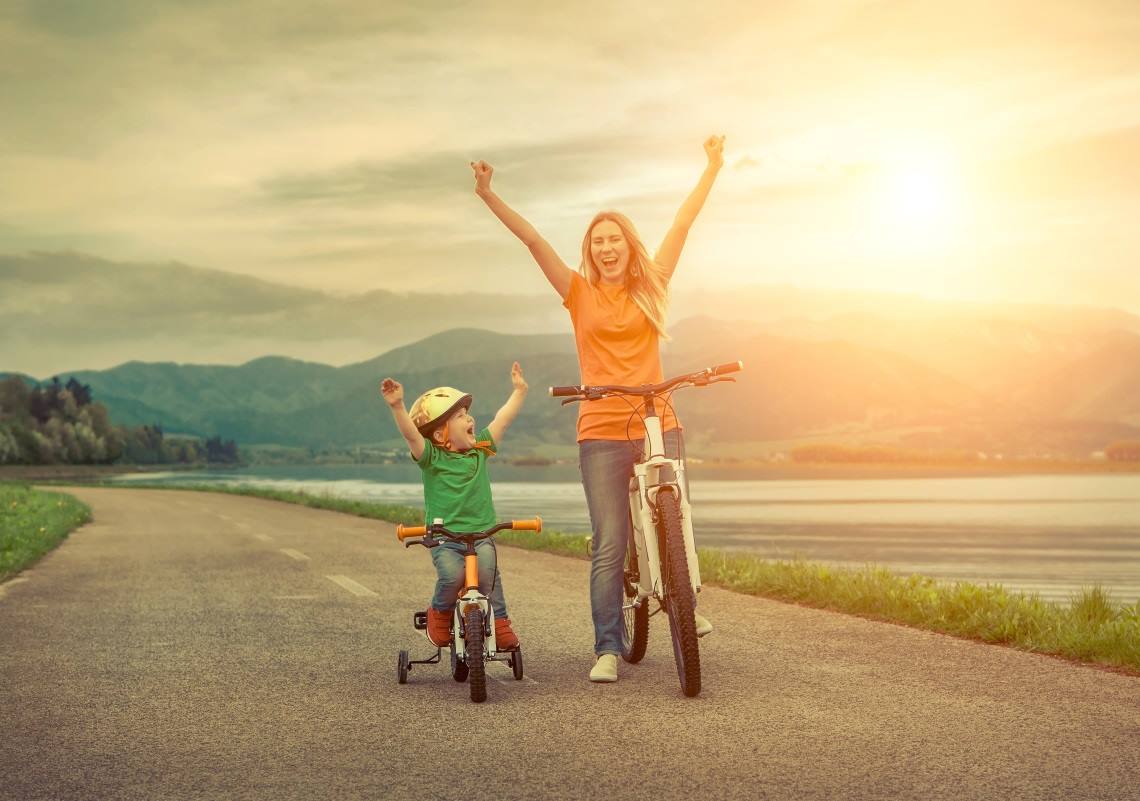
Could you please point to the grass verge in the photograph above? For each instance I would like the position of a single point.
(1093, 628)
(32, 522)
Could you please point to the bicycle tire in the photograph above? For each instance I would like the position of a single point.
(636, 635)
(680, 602)
(476, 667)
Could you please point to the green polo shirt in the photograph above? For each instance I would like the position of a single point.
(456, 486)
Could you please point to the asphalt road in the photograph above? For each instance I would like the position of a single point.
(208, 646)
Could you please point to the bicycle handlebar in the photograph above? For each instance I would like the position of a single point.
(727, 367)
(407, 532)
(403, 532)
(583, 391)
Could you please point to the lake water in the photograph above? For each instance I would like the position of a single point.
(1049, 534)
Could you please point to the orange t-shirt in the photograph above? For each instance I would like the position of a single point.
(616, 345)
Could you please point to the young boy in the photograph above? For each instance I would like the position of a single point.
(453, 459)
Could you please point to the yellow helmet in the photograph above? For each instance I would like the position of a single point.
(435, 406)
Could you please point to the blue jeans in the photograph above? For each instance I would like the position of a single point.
(607, 466)
(451, 575)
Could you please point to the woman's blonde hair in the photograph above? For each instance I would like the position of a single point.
(646, 281)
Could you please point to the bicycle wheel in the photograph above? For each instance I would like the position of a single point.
(402, 664)
(679, 597)
(476, 667)
(636, 635)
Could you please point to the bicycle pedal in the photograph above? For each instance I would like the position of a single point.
(419, 620)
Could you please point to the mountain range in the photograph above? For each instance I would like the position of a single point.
(791, 389)
(819, 365)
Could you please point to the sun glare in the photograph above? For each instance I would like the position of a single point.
(919, 201)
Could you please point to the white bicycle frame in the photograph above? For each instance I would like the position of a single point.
(465, 600)
(652, 472)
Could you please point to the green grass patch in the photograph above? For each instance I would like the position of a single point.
(389, 512)
(1092, 628)
(32, 522)
(549, 541)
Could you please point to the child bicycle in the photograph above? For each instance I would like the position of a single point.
(472, 624)
(664, 566)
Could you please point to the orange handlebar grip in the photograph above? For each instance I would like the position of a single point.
(404, 532)
(527, 525)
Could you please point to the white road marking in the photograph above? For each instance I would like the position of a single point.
(227, 518)
(351, 586)
(294, 597)
(244, 526)
(292, 554)
(263, 537)
(512, 680)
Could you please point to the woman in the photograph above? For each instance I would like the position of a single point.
(617, 303)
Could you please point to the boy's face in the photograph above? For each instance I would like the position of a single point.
(461, 430)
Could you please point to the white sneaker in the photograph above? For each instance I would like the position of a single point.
(605, 669)
(704, 626)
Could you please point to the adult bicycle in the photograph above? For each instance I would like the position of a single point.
(661, 562)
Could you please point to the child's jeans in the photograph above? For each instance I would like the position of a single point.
(450, 576)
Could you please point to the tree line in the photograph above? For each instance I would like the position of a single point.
(1125, 450)
(60, 423)
(1119, 451)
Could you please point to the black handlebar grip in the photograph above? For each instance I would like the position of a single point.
(730, 367)
(564, 392)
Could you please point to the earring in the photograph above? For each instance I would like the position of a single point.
(635, 272)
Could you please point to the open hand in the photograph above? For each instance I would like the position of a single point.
(483, 172)
(393, 391)
(517, 378)
(714, 149)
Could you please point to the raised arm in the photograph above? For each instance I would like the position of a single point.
(670, 251)
(506, 415)
(555, 270)
(393, 393)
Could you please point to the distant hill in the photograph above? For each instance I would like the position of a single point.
(793, 387)
(993, 347)
(790, 388)
(1101, 384)
(821, 364)
(288, 402)
(71, 311)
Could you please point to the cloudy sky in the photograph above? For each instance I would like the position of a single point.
(984, 150)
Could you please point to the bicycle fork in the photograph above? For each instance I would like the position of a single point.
(650, 477)
(472, 597)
